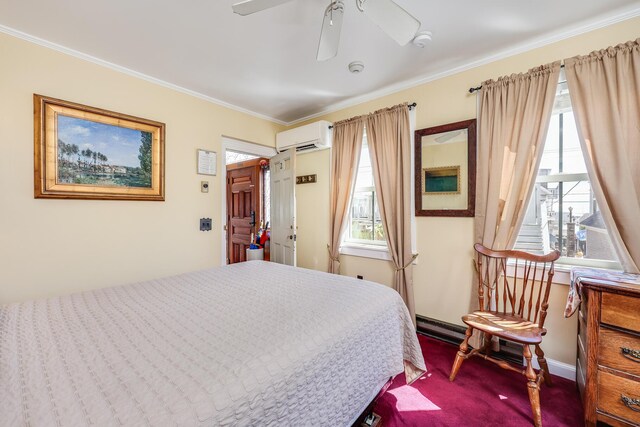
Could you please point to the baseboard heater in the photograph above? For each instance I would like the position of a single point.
(454, 334)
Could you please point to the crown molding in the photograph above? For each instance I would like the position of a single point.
(502, 54)
(85, 57)
(388, 90)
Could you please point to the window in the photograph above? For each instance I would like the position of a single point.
(562, 213)
(365, 225)
(237, 157)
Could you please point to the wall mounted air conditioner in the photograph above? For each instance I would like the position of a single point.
(311, 137)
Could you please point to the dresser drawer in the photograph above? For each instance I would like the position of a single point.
(582, 328)
(621, 311)
(612, 390)
(620, 351)
(580, 377)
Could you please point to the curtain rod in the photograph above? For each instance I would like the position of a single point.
(412, 105)
(475, 89)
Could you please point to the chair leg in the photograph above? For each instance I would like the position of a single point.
(487, 347)
(543, 365)
(461, 355)
(532, 387)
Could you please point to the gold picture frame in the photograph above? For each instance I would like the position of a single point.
(441, 180)
(82, 152)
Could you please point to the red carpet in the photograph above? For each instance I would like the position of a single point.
(483, 394)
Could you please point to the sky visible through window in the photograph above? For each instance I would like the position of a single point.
(120, 145)
(577, 194)
(365, 224)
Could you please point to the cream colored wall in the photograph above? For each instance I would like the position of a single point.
(312, 201)
(442, 278)
(51, 247)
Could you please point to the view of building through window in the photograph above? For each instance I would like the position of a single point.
(563, 213)
(365, 225)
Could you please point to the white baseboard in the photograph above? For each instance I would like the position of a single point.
(560, 369)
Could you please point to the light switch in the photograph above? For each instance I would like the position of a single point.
(205, 224)
(204, 186)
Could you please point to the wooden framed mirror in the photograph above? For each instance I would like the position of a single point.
(445, 170)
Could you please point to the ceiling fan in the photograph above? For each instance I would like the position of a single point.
(386, 14)
(447, 136)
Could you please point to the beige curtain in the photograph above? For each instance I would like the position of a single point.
(514, 117)
(389, 140)
(513, 122)
(605, 94)
(345, 153)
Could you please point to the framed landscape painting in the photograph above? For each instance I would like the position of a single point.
(87, 153)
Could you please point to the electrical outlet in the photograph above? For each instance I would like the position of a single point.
(205, 224)
(204, 186)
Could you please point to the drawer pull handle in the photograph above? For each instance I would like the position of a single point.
(630, 403)
(631, 354)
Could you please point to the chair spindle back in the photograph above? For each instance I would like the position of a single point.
(526, 297)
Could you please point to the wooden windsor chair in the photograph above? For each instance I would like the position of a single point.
(513, 309)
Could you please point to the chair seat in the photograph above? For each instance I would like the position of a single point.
(506, 326)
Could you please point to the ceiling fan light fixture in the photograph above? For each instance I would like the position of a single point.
(356, 67)
(421, 39)
(389, 16)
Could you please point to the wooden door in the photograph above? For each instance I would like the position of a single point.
(244, 207)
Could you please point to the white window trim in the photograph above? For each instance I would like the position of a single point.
(380, 251)
(365, 250)
(563, 177)
(568, 262)
(562, 268)
(375, 244)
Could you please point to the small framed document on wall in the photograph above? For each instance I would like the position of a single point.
(207, 162)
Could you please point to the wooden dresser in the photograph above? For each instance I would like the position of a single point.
(608, 364)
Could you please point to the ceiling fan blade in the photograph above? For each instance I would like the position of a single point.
(447, 136)
(391, 18)
(248, 7)
(330, 35)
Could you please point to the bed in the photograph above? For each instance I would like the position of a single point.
(254, 343)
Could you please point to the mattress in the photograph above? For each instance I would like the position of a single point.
(249, 344)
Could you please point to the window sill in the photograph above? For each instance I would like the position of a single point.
(365, 251)
(562, 272)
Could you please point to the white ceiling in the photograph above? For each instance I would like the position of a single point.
(265, 63)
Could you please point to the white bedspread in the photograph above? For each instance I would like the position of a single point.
(252, 344)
